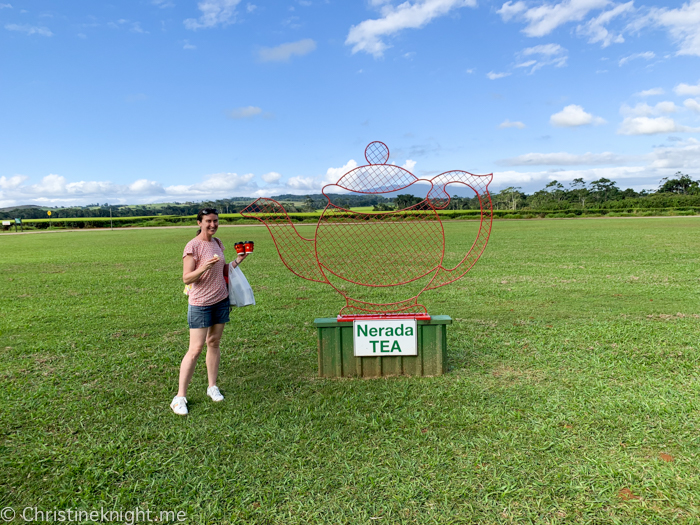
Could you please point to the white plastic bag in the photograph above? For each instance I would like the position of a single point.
(239, 291)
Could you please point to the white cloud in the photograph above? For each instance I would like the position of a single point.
(271, 177)
(511, 10)
(214, 13)
(494, 76)
(564, 159)
(508, 124)
(597, 32)
(687, 89)
(409, 165)
(5, 6)
(367, 36)
(666, 107)
(648, 55)
(643, 171)
(136, 28)
(30, 30)
(284, 52)
(303, 183)
(544, 49)
(651, 126)
(685, 156)
(651, 92)
(333, 174)
(163, 3)
(545, 18)
(692, 105)
(574, 115)
(682, 24)
(548, 55)
(645, 110)
(187, 45)
(244, 112)
(145, 186)
(53, 184)
(511, 178)
(55, 189)
(12, 182)
(217, 184)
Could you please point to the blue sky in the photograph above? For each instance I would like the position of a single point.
(178, 100)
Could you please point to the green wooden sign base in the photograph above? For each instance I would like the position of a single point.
(336, 359)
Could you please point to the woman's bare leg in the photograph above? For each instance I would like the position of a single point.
(197, 338)
(213, 352)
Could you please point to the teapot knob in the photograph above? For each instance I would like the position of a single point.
(377, 153)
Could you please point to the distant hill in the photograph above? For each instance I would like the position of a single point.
(22, 207)
(293, 203)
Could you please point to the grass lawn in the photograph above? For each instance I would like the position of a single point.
(573, 394)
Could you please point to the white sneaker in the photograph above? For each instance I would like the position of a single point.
(214, 394)
(179, 405)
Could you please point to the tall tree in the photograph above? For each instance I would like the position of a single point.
(309, 204)
(682, 185)
(579, 190)
(406, 201)
(604, 189)
(511, 196)
(556, 190)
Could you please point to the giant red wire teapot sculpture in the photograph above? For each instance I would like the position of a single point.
(370, 258)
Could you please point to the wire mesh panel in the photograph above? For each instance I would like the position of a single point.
(379, 250)
(371, 259)
(297, 252)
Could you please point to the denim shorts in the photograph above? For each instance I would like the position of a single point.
(206, 316)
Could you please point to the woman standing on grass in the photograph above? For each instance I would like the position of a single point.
(204, 268)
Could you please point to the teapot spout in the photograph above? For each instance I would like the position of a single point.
(440, 199)
(297, 253)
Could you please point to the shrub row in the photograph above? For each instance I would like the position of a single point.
(174, 220)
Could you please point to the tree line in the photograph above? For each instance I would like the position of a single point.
(292, 203)
(125, 210)
(677, 191)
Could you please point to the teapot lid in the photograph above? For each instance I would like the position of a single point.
(377, 176)
(377, 152)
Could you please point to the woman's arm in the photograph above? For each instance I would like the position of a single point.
(238, 260)
(189, 274)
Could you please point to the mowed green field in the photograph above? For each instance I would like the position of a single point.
(573, 394)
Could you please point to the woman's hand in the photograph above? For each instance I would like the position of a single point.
(211, 262)
(238, 260)
(189, 274)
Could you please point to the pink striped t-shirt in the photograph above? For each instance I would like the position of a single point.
(211, 287)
